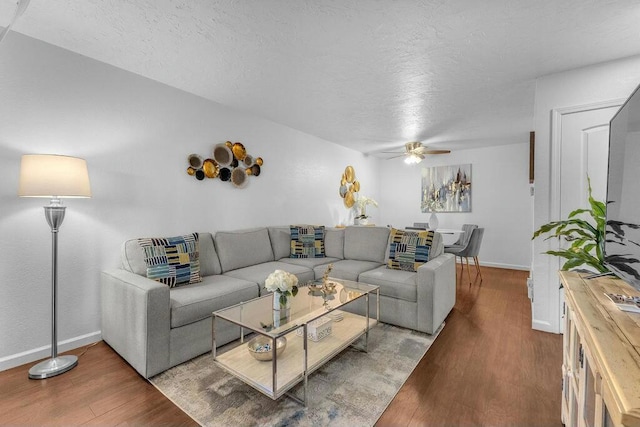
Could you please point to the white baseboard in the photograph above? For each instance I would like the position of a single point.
(540, 325)
(499, 265)
(29, 356)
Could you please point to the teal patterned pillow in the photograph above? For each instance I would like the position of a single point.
(174, 261)
(307, 241)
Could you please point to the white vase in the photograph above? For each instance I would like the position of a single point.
(433, 221)
(362, 221)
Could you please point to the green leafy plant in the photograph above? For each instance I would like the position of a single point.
(586, 239)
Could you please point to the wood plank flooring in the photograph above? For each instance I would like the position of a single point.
(487, 367)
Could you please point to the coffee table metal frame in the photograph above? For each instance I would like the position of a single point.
(238, 362)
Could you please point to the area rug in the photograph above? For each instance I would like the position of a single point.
(353, 389)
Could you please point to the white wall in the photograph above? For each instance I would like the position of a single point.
(501, 201)
(136, 135)
(599, 83)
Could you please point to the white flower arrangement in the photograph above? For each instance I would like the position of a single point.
(283, 282)
(362, 202)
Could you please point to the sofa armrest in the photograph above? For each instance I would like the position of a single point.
(436, 292)
(136, 319)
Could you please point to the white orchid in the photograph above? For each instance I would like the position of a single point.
(362, 202)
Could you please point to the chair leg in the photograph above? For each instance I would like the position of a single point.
(468, 268)
(475, 260)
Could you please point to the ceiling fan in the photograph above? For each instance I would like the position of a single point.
(415, 152)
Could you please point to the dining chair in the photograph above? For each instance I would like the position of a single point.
(471, 250)
(462, 240)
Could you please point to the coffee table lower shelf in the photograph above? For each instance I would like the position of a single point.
(290, 364)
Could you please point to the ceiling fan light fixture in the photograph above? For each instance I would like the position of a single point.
(413, 159)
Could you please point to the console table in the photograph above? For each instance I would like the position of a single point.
(601, 354)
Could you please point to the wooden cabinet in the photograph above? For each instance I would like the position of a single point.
(601, 355)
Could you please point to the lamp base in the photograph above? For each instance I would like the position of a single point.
(52, 367)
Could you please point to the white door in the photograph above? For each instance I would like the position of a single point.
(584, 152)
(581, 148)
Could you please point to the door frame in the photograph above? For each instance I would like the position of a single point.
(557, 115)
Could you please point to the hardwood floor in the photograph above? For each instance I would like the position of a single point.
(487, 367)
(102, 390)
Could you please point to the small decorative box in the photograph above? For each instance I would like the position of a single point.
(318, 329)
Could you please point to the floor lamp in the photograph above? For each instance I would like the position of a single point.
(55, 177)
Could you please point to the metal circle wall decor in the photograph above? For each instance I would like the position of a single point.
(225, 174)
(229, 162)
(222, 154)
(239, 152)
(195, 161)
(349, 186)
(239, 177)
(210, 168)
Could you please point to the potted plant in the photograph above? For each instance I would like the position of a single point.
(361, 203)
(587, 238)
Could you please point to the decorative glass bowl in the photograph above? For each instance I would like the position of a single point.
(260, 347)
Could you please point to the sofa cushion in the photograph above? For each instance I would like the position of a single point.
(173, 261)
(280, 241)
(346, 269)
(132, 256)
(393, 283)
(196, 302)
(310, 263)
(258, 273)
(366, 243)
(334, 242)
(409, 249)
(209, 261)
(243, 248)
(307, 241)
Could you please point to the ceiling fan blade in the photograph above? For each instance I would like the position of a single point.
(392, 152)
(436, 151)
(395, 157)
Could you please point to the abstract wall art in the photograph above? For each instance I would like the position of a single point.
(446, 189)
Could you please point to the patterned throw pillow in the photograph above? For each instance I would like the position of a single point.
(307, 241)
(174, 261)
(408, 250)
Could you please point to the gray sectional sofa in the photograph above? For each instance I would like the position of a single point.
(155, 327)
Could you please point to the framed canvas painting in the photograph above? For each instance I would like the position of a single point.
(446, 189)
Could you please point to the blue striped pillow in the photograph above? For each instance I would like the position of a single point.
(408, 250)
(174, 261)
(307, 241)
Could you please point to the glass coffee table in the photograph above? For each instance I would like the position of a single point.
(315, 329)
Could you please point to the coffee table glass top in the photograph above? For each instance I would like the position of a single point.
(307, 305)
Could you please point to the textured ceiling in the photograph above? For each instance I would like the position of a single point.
(366, 74)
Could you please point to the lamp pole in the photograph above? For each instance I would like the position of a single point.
(56, 365)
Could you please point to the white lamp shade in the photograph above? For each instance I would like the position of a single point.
(47, 175)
